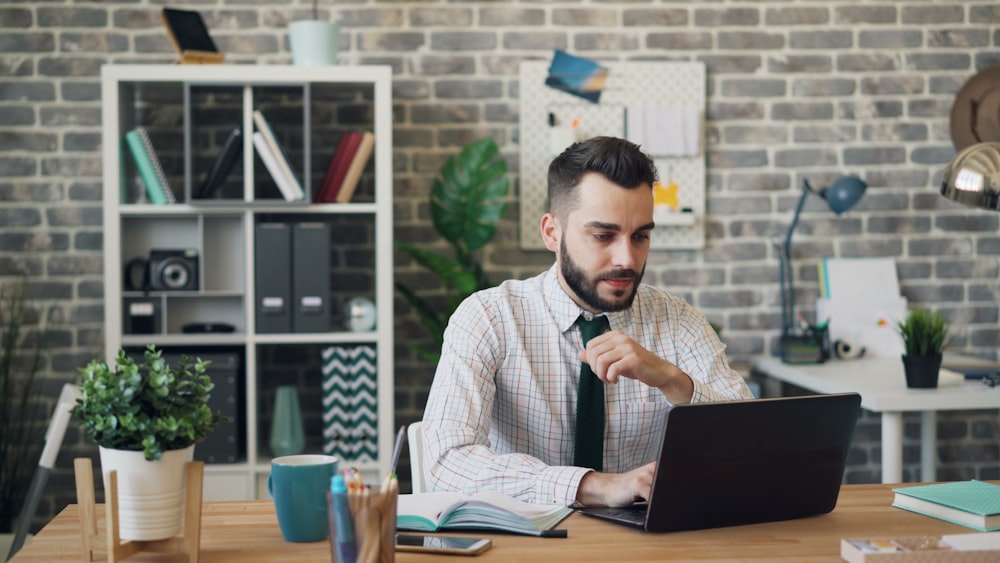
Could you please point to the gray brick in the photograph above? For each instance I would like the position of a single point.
(794, 111)
(866, 62)
(33, 42)
(874, 155)
(890, 39)
(932, 155)
(917, 294)
(719, 64)
(479, 89)
(807, 157)
(712, 17)
(755, 88)
(939, 247)
(17, 166)
(913, 270)
(899, 225)
(855, 14)
(728, 299)
(92, 42)
(755, 134)
(987, 293)
(966, 269)
(984, 14)
(988, 245)
(796, 16)
(958, 38)
(736, 159)
(74, 216)
(36, 142)
(410, 90)
(72, 17)
(741, 205)
(971, 223)
(504, 16)
(823, 87)
(680, 41)
(750, 40)
(693, 277)
(932, 14)
(18, 217)
(823, 133)
(439, 16)
(894, 132)
(881, 85)
(870, 109)
(756, 229)
(814, 39)
(68, 66)
(938, 61)
(15, 18)
(654, 17)
(605, 42)
(87, 142)
(377, 17)
(588, 17)
(870, 248)
(444, 65)
(930, 108)
(17, 115)
(547, 40)
(988, 59)
(390, 41)
(445, 113)
(799, 63)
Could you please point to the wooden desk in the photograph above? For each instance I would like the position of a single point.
(248, 532)
(882, 386)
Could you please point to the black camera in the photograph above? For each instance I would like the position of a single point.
(173, 270)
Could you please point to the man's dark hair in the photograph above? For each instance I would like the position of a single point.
(618, 160)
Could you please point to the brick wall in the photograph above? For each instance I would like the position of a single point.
(796, 90)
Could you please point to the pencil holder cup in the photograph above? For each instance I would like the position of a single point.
(365, 530)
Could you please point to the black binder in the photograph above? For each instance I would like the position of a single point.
(311, 277)
(273, 277)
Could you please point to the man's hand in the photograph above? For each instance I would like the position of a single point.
(613, 354)
(616, 489)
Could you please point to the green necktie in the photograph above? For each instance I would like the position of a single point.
(589, 451)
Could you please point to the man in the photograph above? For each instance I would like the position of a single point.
(502, 409)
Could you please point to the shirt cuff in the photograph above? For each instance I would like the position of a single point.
(559, 485)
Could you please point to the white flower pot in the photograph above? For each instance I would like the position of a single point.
(150, 493)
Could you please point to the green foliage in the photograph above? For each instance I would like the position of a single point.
(924, 333)
(467, 203)
(21, 359)
(149, 406)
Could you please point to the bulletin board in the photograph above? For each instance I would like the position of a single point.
(545, 113)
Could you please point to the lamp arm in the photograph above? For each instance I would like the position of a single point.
(788, 297)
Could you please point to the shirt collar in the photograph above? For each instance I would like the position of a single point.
(565, 311)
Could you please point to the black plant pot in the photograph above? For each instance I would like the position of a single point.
(922, 371)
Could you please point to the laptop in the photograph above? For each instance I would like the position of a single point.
(745, 462)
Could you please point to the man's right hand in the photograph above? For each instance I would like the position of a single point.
(616, 489)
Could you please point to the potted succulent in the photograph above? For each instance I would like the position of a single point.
(925, 335)
(314, 42)
(467, 203)
(146, 417)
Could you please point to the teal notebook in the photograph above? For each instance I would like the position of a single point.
(432, 512)
(975, 504)
(148, 164)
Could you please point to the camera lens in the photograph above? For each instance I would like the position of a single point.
(175, 274)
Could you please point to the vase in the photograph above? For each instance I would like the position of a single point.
(150, 493)
(313, 42)
(922, 371)
(287, 433)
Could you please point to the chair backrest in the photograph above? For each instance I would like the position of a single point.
(415, 441)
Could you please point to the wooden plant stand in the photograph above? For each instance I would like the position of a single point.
(188, 543)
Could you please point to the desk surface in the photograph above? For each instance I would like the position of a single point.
(248, 532)
(881, 383)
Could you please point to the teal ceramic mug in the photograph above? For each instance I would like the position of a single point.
(298, 485)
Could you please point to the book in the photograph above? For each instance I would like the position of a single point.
(358, 162)
(341, 161)
(281, 157)
(974, 504)
(967, 548)
(432, 512)
(227, 157)
(271, 162)
(149, 166)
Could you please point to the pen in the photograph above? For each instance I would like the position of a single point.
(346, 548)
(397, 449)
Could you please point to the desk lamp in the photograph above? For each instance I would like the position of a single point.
(973, 177)
(841, 196)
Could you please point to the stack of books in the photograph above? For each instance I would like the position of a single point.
(278, 164)
(975, 504)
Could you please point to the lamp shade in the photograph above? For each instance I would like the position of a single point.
(845, 192)
(973, 177)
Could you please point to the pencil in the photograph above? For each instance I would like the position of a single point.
(396, 449)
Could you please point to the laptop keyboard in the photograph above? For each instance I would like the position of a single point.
(634, 515)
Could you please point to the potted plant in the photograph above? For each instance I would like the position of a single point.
(314, 42)
(146, 417)
(21, 360)
(925, 335)
(467, 204)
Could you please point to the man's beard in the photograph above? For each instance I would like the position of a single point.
(586, 289)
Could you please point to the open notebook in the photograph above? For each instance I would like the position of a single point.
(743, 462)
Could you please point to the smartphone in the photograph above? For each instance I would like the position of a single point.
(442, 544)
